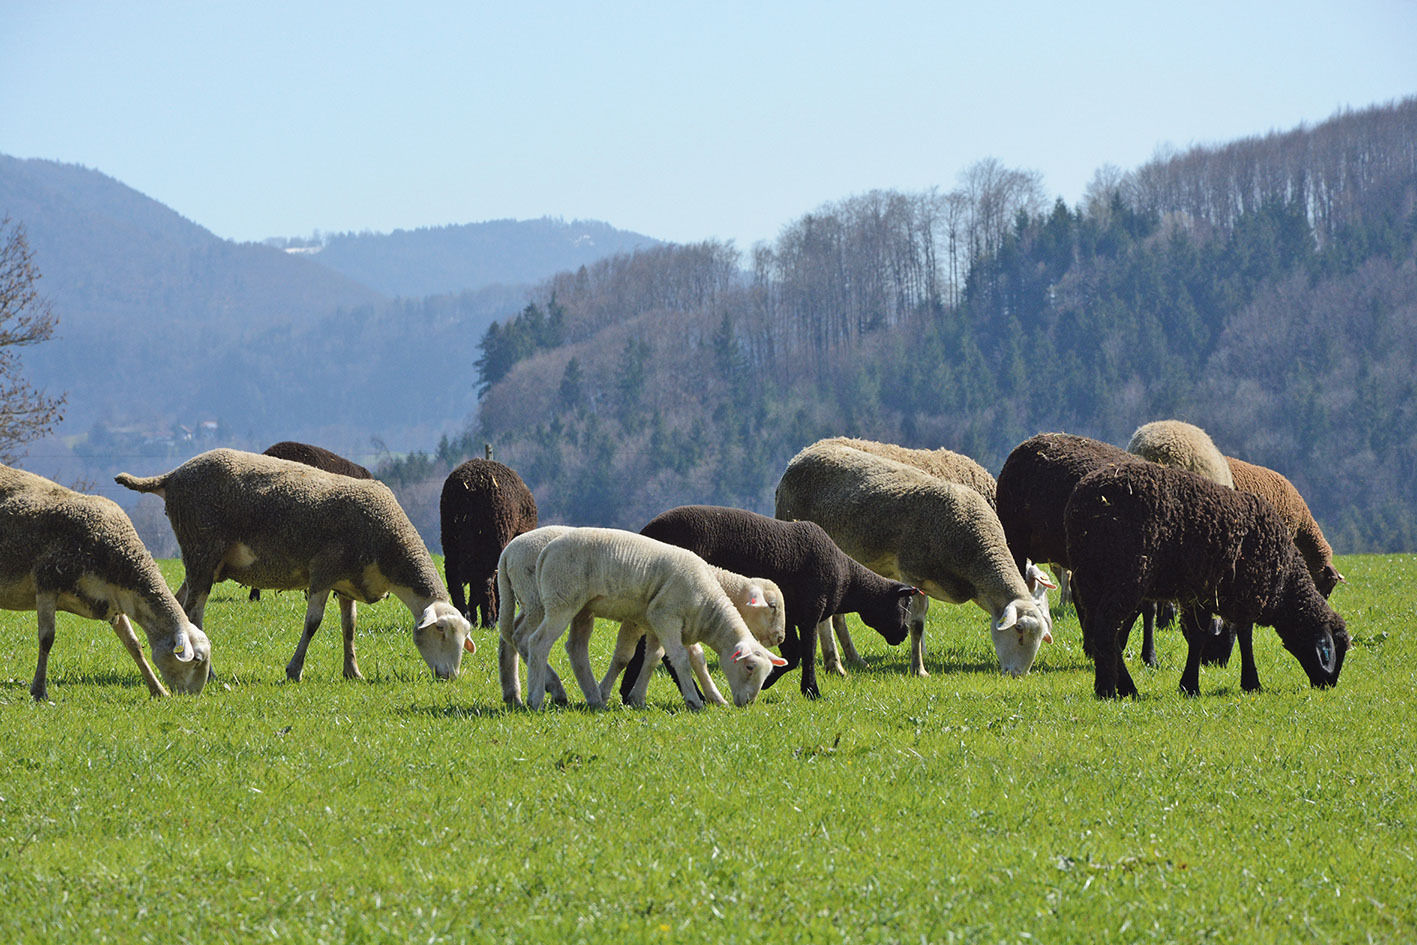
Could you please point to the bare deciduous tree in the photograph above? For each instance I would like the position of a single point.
(26, 414)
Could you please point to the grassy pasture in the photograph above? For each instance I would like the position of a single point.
(965, 807)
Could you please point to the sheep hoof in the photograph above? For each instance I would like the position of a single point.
(834, 667)
(293, 674)
(352, 672)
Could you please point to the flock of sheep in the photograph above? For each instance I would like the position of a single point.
(860, 527)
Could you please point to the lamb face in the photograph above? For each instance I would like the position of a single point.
(747, 668)
(184, 660)
(441, 636)
(762, 610)
(1018, 632)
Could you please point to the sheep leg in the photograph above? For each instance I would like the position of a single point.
(124, 628)
(1102, 635)
(538, 652)
(509, 663)
(578, 649)
(629, 651)
(347, 608)
(831, 660)
(809, 662)
(791, 650)
(919, 605)
(1249, 674)
(44, 605)
(700, 665)
(677, 656)
(1192, 630)
(848, 649)
(1148, 633)
(314, 613)
(653, 653)
(522, 629)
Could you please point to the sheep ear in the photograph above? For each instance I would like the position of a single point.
(756, 597)
(1037, 575)
(1047, 635)
(428, 618)
(1009, 617)
(777, 660)
(182, 647)
(468, 645)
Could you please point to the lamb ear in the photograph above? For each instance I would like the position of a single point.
(1047, 635)
(1037, 575)
(756, 597)
(427, 619)
(777, 660)
(1008, 618)
(468, 645)
(182, 647)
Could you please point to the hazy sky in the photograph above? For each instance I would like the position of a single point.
(682, 120)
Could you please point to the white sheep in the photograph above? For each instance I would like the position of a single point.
(272, 523)
(63, 550)
(910, 526)
(673, 593)
(951, 467)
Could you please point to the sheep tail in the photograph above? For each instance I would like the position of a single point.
(154, 484)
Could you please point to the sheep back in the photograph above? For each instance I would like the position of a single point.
(1033, 488)
(484, 505)
(317, 456)
(1276, 489)
(1182, 445)
(946, 464)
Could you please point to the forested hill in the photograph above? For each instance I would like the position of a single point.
(1265, 289)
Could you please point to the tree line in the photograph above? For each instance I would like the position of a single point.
(1266, 289)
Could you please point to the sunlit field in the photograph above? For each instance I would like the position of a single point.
(964, 807)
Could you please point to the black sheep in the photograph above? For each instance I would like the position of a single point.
(484, 505)
(816, 577)
(1141, 532)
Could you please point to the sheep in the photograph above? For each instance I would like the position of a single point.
(1183, 446)
(907, 525)
(516, 581)
(1142, 532)
(817, 578)
(951, 467)
(63, 550)
(272, 523)
(619, 575)
(1279, 492)
(758, 600)
(316, 456)
(483, 506)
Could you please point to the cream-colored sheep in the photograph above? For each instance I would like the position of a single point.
(910, 526)
(1183, 446)
(63, 550)
(271, 523)
(673, 593)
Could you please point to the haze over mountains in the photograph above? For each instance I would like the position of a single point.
(164, 327)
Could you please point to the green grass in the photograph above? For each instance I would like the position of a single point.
(966, 807)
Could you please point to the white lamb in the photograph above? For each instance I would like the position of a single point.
(673, 593)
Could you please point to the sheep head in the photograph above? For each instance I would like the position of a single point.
(762, 610)
(1018, 631)
(747, 668)
(441, 635)
(184, 659)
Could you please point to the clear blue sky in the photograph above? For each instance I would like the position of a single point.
(682, 120)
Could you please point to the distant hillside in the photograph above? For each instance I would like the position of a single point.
(147, 299)
(448, 259)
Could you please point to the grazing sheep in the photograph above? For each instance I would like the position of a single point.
(1180, 445)
(484, 505)
(907, 525)
(1279, 492)
(1142, 532)
(316, 456)
(62, 550)
(619, 575)
(817, 578)
(759, 602)
(272, 523)
(951, 467)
